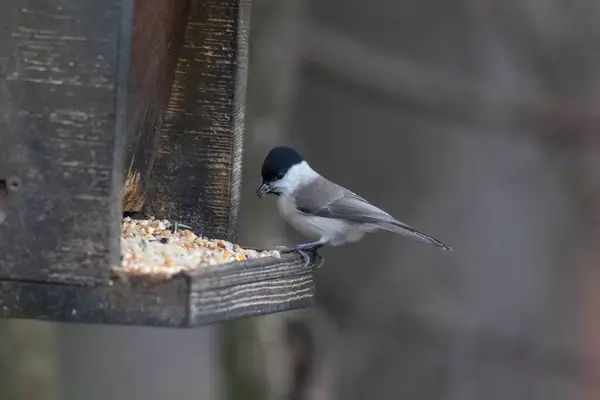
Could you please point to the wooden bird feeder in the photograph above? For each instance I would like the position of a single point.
(121, 105)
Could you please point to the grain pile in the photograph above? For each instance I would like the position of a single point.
(152, 247)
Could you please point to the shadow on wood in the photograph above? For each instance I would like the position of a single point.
(158, 28)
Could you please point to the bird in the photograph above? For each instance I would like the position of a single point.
(319, 208)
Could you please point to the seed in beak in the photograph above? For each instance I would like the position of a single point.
(263, 189)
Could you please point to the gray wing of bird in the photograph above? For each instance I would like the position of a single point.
(325, 199)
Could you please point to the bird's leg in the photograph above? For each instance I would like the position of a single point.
(313, 246)
(310, 246)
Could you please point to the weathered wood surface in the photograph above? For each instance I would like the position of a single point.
(252, 288)
(158, 27)
(63, 69)
(197, 172)
(218, 293)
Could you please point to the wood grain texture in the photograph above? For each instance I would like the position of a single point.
(252, 299)
(254, 287)
(197, 172)
(250, 271)
(126, 302)
(62, 77)
(187, 299)
(158, 27)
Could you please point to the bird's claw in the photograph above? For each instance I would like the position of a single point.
(306, 257)
(305, 249)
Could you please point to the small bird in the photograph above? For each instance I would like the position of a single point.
(321, 209)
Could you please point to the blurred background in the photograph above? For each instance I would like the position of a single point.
(475, 121)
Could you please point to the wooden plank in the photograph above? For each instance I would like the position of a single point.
(252, 299)
(197, 171)
(187, 299)
(63, 66)
(252, 288)
(158, 27)
(250, 271)
(134, 302)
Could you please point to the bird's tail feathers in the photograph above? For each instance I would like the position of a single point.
(406, 230)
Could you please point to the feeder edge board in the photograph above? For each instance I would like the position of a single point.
(218, 293)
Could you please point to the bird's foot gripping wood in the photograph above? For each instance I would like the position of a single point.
(307, 248)
(306, 256)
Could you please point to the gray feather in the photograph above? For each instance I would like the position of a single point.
(323, 198)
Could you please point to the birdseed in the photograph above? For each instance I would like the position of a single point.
(150, 246)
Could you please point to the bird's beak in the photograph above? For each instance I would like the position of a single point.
(263, 189)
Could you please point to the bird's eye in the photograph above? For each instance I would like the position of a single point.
(279, 176)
